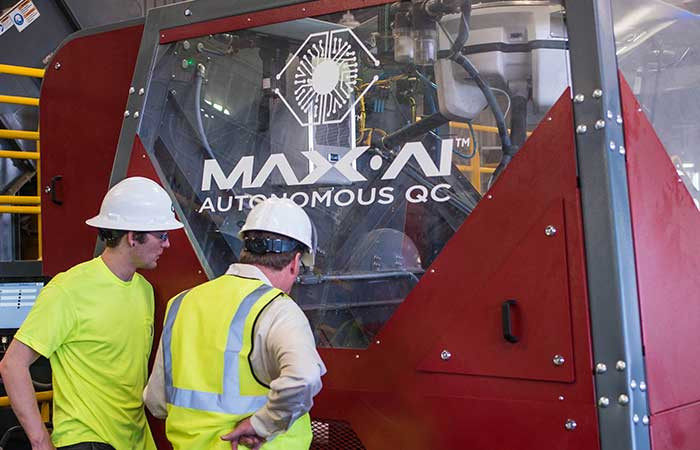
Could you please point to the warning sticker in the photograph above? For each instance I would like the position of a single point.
(5, 22)
(23, 14)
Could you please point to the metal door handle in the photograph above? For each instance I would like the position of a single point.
(51, 189)
(507, 321)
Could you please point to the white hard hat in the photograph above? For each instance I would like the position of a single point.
(136, 204)
(283, 216)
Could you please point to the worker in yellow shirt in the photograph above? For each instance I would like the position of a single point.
(237, 362)
(94, 323)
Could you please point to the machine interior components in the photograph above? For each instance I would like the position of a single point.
(364, 140)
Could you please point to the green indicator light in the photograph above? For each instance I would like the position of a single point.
(190, 62)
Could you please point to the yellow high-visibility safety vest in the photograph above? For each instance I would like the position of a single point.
(209, 384)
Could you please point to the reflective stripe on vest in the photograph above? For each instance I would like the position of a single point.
(230, 401)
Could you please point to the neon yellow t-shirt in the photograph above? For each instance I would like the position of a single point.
(97, 332)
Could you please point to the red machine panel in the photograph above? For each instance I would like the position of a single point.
(452, 421)
(82, 105)
(676, 429)
(665, 224)
(391, 403)
(516, 298)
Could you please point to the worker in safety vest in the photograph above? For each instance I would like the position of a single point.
(94, 323)
(238, 362)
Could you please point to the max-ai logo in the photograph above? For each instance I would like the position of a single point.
(325, 77)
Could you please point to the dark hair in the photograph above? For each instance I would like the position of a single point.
(275, 261)
(113, 237)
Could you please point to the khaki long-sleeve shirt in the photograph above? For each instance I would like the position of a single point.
(284, 357)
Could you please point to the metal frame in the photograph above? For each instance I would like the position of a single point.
(179, 14)
(612, 277)
(70, 15)
(158, 19)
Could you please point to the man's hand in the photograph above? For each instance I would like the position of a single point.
(43, 444)
(244, 434)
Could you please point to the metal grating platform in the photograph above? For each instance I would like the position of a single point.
(334, 435)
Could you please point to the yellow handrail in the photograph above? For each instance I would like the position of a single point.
(19, 134)
(12, 200)
(20, 209)
(20, 199)
(31, 101)
(44, 396)
(18, 155)
(24, 71)
(466, 168)
(40, 256)
(484, 128)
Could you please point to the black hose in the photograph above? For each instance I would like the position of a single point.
(491, 99)
(463, 33)
(518, 122)
(199, 78)
(518, 133)
(414, 130)
(457, 56)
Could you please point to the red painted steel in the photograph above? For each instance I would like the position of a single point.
(264, 17)
(82, 106)
(541, 317)
(665, 224)
(676, 429)
(391, 403)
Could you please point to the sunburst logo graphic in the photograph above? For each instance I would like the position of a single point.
(325, 79)
(328, 84)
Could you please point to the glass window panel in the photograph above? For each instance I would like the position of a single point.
(300, 109)
(658, 51)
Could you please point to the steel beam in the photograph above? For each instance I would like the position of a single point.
(612, 284)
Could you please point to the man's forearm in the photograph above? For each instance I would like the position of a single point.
(154, 393)
(18, 384)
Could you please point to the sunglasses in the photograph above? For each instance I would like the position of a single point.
(162, 235)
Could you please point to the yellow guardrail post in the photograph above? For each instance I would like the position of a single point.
(40, 245)
(45, 411)
(475, 164)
